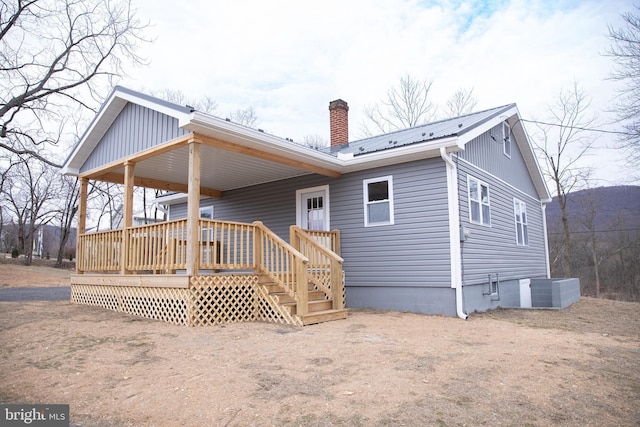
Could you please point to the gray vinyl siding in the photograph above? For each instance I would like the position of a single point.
(414, 252)
(488, 155)
(135, 129)
(491, 250)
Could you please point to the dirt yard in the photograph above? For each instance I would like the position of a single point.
(576, 367)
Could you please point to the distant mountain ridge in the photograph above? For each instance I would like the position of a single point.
(617, 207)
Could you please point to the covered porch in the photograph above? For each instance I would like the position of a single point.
(193, 270)
(244, 272)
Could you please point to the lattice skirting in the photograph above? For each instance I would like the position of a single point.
(168, 304)
(209, 300)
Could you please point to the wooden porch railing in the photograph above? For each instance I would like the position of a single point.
(226, 245)
(157, 247)
(99, 251)
(325, 266)
(328, 239)
(161, 248)
(283, 264)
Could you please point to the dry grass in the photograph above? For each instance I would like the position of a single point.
(577, 367)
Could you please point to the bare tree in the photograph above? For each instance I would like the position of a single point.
(563, 144)
(29, 198)
(462, 102)
(68, 194)
(590, 206)
(246, 117)
(206, 104)
(107, 202)
(55, 55)
(625, 51)
(406, 105)
(315, 141)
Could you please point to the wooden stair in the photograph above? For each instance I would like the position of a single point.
(320, 305)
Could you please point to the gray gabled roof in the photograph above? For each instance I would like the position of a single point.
(255, 157)
(453, 127)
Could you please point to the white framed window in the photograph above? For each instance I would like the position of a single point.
(206, 212)
(520, 216)
(506, 139)
(378, 201)
(479, 203)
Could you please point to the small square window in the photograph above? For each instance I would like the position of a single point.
(378, 201)
(506, 139)
(206, 212)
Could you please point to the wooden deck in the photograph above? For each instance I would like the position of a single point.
(244, 273)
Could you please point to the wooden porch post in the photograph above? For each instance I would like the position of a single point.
(127, 217)
(193, 210)
(82, 221)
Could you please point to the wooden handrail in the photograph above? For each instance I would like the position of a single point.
(320, 236)
(324, 264)
(283, 264)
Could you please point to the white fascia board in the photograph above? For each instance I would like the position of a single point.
(528, 154)
(400, 155)
(162, 107)
(252, 138)
(92, 135)
(489, 124)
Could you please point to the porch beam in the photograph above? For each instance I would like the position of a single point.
(138, 157)
(193, 210)
(158, 184)
(236, 148)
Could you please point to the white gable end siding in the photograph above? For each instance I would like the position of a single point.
(488, 155)
(135, 129)
(404, 266)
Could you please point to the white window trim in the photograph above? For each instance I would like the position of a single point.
(204, 209)
(480, 183)
(523, 207)
(299, 193)
(506, 139)
(365, 199)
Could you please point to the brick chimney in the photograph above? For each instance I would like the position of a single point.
(339, 122)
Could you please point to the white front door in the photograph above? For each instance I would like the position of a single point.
(312, 206)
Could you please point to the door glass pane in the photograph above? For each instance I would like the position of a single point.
(315, 213)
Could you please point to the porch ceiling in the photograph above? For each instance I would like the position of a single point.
(220, 169)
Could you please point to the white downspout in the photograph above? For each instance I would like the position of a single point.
(546, 239)
(454, 231)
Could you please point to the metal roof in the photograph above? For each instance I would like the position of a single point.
(453, 127)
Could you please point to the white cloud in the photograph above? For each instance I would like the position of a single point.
(288, 59)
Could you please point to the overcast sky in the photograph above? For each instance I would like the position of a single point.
(289, 59)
